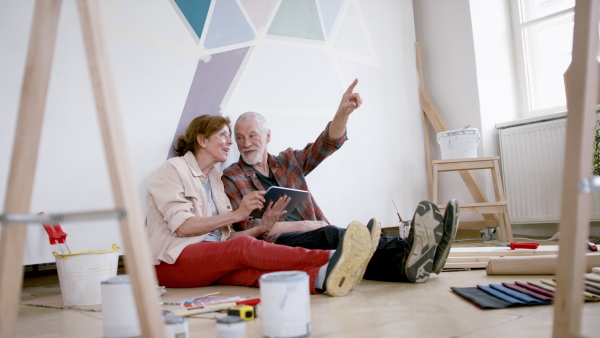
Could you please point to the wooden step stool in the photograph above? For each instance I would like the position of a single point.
(498, 209)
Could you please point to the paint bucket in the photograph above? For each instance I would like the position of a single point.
(119, 312)
(231, 327)
(81, 272)
(404, 229)
(285, 304)
(176, 326)
(459, 143)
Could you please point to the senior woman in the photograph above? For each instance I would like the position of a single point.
(189, 225)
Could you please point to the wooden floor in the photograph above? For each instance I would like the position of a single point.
(372, 309)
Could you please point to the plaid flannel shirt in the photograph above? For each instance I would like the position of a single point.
(289, 168)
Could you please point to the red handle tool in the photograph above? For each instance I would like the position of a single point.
(515, 245)
(59, 231)
(252, 302)
(56, 235)
(52, 235)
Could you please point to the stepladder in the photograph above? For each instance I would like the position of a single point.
(497, 209)
(24, 159)
(433, 118)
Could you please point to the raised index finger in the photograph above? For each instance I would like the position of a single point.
(351, 88)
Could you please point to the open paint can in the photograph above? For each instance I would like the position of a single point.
(285, 304)
(231, 327)
(459, 143)
(176, 326)
(81, 272)
(404, 229)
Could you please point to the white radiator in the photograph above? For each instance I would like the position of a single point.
(532, 157)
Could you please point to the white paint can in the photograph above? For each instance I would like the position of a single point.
(119, 312)
(285, 304)
(81, 272)
(459, 143)
(176, 326)
(231, 327)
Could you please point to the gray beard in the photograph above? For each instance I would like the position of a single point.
(249, 160)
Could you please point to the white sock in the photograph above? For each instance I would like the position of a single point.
(320, 280)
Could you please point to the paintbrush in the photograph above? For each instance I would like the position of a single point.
(397, 212)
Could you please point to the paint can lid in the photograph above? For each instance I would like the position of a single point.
(283, 276)
(171, 318)
(457, 132)
(229, 320)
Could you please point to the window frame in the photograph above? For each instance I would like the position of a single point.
(521, 57)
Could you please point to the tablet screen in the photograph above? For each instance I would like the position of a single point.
(274, 193)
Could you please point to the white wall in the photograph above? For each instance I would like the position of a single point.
(153, 65)
(496, 77)
(444, 30)
(154, 60)
(469, 74)
(469, 70)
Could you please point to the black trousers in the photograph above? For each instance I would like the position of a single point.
(387, 263)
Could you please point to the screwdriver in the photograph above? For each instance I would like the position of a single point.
(515, 245)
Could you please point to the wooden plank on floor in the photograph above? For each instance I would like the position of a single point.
(479, 257)
(466, 265)
(482, 259)
(502, 251)
(467, 262)
(534, 265)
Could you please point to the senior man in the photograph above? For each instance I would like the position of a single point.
(393, 259)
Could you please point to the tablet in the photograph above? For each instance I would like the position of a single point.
(273, 194)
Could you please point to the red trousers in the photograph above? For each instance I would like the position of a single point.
(240, 261)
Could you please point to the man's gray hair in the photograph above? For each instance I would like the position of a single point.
(263, 126)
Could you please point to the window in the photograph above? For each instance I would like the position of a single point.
(543, 37)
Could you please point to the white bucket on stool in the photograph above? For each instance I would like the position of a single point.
(285, 304)
(80, 274)
(459, 143)
(119, 312)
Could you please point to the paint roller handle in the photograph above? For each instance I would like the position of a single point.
(63, 235)
(56, 235)
(515, 245)
(59, 231)
(52, 235)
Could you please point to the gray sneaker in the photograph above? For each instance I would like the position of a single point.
(348, 263)
(425, 233)
(375, 230)
(450, 228)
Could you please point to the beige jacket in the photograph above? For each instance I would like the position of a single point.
(175, 193)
